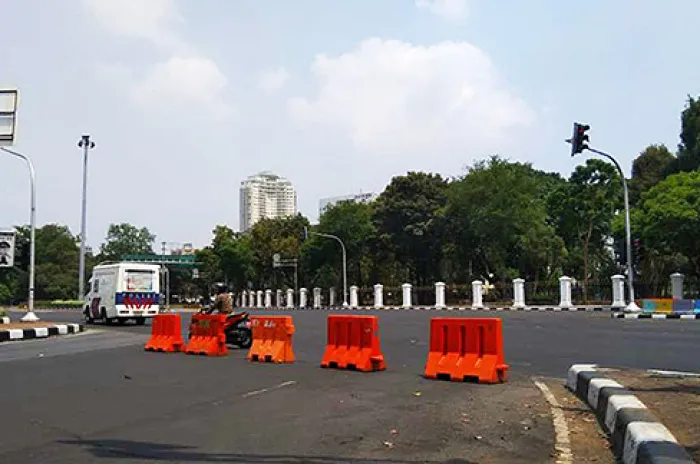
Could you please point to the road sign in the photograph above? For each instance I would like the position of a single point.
(8, 116)
(276, 258)
(7, 248)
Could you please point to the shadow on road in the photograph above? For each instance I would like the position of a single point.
(127, 449)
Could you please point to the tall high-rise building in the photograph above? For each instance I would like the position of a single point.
(266, 195)
(326, 203)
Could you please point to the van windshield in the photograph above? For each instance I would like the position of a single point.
(138, 280)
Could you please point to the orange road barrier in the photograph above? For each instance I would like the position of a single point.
(272, 339)
(207, 335)
(466, 349)
(353, 343)
(166, 334)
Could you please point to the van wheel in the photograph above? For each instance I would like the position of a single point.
(88, 316)
(140, 320)
(108, 320)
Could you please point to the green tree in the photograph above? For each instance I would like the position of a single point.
(583, 211)
(407, 216)
(689, 148)
(126, 239)
(669, 217)
(648, 169)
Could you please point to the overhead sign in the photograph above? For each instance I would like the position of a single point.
(7, 248)
(8, 116)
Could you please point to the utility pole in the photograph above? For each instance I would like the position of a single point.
(345, 264)
(86, 144)
(579, 143)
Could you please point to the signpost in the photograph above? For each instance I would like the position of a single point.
(7, 247)
(278, 261)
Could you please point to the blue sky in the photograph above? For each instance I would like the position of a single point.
(186, 98)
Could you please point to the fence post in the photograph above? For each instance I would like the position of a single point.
(268, 298)
(278, 298)
(290, 298)
(406, 288)
(243, 299)
(353, 297)
(477, 294)
(439, 294)
(259, 294)
(565, 292)
(518, 293)
(331, 297)
(302, 297)
(317, 298)
(677, 285)
(378, 295)
(618, 291)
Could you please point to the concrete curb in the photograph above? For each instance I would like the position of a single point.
(683, 317)
(4, 320)
(447, 308)
(39, 332)
(636, 436)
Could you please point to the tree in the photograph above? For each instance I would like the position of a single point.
(669, 217)
(689, 148)
(126, 239)
(648, 169)
(583, 211)
(407, 216)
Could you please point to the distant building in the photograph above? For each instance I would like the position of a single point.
(266, 195)
(326, 203)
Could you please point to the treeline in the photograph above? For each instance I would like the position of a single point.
(497, 221)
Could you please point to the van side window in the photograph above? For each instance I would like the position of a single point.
(96, 285)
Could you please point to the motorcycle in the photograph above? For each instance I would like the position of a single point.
(237, 328)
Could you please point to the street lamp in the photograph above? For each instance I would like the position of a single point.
(8, 117)
(345, 264)
(86, 144)
(578, 142)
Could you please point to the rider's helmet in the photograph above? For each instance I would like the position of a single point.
(221, 288)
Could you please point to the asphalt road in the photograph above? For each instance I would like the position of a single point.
(98, 397)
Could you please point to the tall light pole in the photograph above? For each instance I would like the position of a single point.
(86, 144)
(345, 264)
(579, 143)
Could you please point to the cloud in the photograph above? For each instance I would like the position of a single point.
(389, 96)
(151, 20)
(451, 10)
(192, 83)
(273, 81)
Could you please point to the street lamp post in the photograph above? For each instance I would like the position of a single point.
(345, 264)
(86, 144)
(30, 316)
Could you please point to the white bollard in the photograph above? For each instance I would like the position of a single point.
(259, 294)
(268, 298)
(618, 291)
(439, 294)
(518, 293)
(353, 296)
(278, 298)
(302, 297)
(406, 295)
(677, 285)
(565, 292)
(290, 298)
(331, 297)
(379, 296)
(317, 298)
(477, 294)
(244, 302)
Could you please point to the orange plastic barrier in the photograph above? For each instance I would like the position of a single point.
(272, 339)
(466, 348)
(208, 336)
(353, 343)
(166, 334)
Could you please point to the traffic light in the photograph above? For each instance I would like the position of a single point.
(579, 138)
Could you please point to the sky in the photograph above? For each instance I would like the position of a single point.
(186, 98)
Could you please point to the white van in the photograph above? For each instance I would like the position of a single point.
(123, 291)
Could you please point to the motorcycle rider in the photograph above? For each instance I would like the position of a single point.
(223, 303)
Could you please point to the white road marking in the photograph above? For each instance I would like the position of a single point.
(265, 390)
(663, 373)
(562, 443)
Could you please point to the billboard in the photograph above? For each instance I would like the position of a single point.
(7, 248)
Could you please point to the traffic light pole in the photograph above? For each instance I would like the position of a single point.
(628, 230)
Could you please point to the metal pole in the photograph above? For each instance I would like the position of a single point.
(628, 231)
(30, 316)
(345, 266)
(86, 145)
